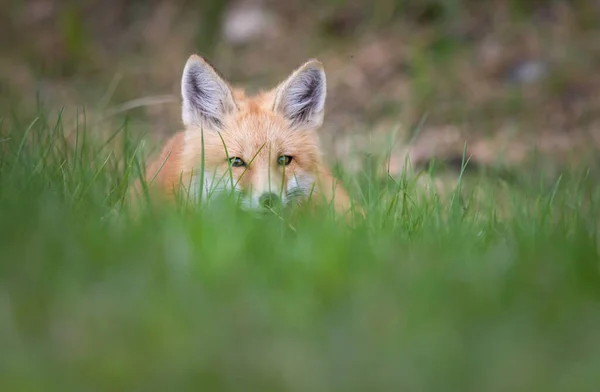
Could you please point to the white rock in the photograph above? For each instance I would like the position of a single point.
(244, 24)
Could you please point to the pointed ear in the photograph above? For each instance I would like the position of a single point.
(301, 97)
(207, 98)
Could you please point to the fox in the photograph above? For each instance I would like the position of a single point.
(264, 148)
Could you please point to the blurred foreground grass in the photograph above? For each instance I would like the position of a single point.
(490, 288)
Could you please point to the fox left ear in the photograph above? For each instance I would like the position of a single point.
(207, 98)
(301, 97)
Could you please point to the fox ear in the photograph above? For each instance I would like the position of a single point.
(301, 97)
(207, 98)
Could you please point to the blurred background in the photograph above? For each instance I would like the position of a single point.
(513, 79)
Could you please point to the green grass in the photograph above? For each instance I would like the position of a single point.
(493, 287)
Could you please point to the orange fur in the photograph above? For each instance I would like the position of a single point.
(258, 130)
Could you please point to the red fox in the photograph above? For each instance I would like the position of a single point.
(264, 148)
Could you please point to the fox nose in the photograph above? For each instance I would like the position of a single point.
(269, 200)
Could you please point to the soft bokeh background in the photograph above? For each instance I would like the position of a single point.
(509, 78)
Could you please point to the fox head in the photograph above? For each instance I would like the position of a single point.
(264, 148)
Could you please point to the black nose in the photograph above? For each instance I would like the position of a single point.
(269, 200)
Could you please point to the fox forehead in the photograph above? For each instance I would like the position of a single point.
(255, 131)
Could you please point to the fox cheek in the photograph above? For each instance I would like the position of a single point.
(300, 186)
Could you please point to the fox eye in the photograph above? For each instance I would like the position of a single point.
(237, 162)
(284, 160)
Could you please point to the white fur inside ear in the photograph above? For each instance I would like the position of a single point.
(302, 97)
(206, 97)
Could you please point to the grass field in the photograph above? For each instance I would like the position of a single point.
(491, 287)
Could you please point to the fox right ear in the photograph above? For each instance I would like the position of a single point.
(207, 98)
(301, 97)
